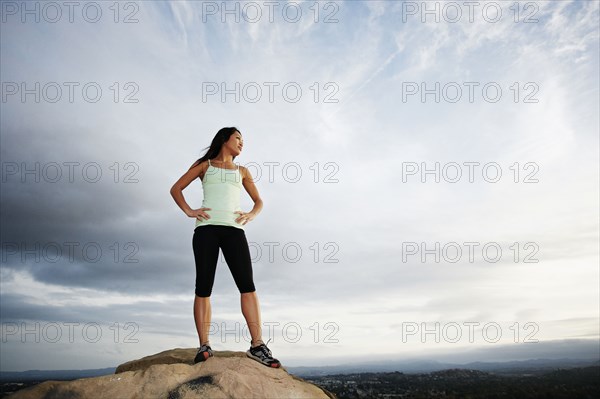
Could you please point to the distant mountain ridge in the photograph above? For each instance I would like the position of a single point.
(426, 366)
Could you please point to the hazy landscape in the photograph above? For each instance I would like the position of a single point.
(580, 382)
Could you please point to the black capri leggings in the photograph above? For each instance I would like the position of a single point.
(206, 243)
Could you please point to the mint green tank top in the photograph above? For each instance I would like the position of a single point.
(222, 189)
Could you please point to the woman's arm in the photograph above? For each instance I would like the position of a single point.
(180, 185)
(250, 187)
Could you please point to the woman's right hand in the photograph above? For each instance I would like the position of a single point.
(199, 213)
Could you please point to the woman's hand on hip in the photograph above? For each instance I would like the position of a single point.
(244, 217)
(199, 213)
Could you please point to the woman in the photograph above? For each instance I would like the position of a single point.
(220, 224)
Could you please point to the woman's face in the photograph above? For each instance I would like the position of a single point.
(235, 144)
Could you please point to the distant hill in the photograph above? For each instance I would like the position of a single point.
(532, 366)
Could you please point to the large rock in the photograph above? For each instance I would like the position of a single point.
(172, 375)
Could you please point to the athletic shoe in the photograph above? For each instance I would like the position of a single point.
(204, 352)
(262, 354)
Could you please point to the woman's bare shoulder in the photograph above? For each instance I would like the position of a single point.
(245, 173)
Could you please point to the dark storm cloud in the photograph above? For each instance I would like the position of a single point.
(103, 235)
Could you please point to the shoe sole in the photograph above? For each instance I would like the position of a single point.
(272, 365)
(206, 355)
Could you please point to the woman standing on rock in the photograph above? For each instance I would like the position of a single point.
(220, 224)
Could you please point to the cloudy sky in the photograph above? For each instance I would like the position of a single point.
(429, 177)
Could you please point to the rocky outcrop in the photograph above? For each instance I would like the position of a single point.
(172, 375)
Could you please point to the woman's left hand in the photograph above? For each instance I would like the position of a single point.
(244, 218)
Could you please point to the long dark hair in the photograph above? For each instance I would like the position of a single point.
(217, 142)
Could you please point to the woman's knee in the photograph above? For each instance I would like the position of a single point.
(247, 288)
(203, 292)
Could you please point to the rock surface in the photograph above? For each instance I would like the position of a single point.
(172, 375)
